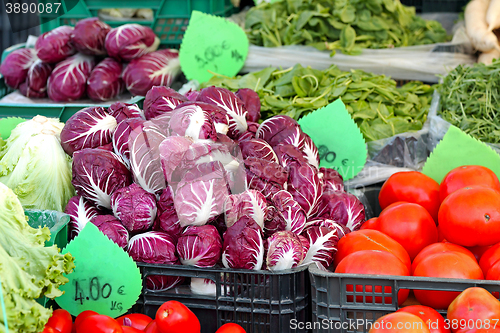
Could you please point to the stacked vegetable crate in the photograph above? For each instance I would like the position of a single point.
(259, 301)
(335, 309)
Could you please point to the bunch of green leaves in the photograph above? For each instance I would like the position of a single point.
(377, 105)
(345, 25)
(28, 269)
(470, 100)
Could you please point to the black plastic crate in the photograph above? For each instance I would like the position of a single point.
(260, 301)
(432, 6)
(335, 309)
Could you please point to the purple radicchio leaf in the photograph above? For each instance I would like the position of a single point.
(199, 246)
(112, 228)
(36, 79)
(131, 41)
(340, 229)
(343, 208)
(250, 133)
(306, 186)
(273, 222)
(121, 137)
(251, 203)
(243, 245)
(289, 154)
(88, 128)
(265, 176)
(284, 251)
(193, 121)
(290, 211)
(16, 65)
(160, 100)
(216, 114)
(258, 148)
(201, 194)
(158, 68)
(273, 126)
(163, 282)
(145, 161)
(80, 212)
(89, 35)
(172, 150)
(233, 106)
(166, 216)
(305, 243)
(251, 102)
(68, 80)
(97, 173)
(105, 81)
(323, 246)
(122, 111)
(134, 207)
(332, 181)
(55, 45)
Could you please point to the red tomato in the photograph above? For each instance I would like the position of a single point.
(369, 224)
(471, 217)
(374, 262)
(467, 175)
(175, 317)
(130, 329)
(135, 320)
(399, 322)
(370, 240)
(438, 248)
(61, 321)
(99, 324)
(478, 251)
(489, 258)
(414, 187)
(48, 329)
(410, 225)
(475, 305)
(230, 328)
(152, 328)
(82, 316)
(434, 321)
(453, 265)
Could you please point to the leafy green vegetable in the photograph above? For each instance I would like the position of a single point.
(34, 165)
(345, 25)
(28, 270)
(470, 97)
(378, 107)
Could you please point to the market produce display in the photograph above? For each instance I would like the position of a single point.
(200, 184)
(469, 99)
(347, 26)
(68, 64)
(377, 105)
(28, 269)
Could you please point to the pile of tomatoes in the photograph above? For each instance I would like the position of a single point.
(447, 230)
(171, 317)
(475, 310)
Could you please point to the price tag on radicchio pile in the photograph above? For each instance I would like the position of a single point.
(341, 145)
(210, 45)
(105, 279)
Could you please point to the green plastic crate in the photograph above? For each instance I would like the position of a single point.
(51, 110)
(170, 20)
(57, 223)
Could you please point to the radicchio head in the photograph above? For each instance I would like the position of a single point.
(343, 208)
(199, 246)
(55, 45)
(112, 228)
(16, 65)
(89, 35)
(160, 100)
(284, 251)
(243, 245)
(131, 41)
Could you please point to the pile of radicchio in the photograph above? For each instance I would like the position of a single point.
(194, 180)
(64, 63)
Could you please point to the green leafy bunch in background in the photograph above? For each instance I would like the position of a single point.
(345, 25)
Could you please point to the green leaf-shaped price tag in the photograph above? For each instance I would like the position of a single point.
(341, 145)
(212, 44)
(456, 149)
(105, 279)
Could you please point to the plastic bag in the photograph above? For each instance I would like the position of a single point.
(421, 62)
(56, 222)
